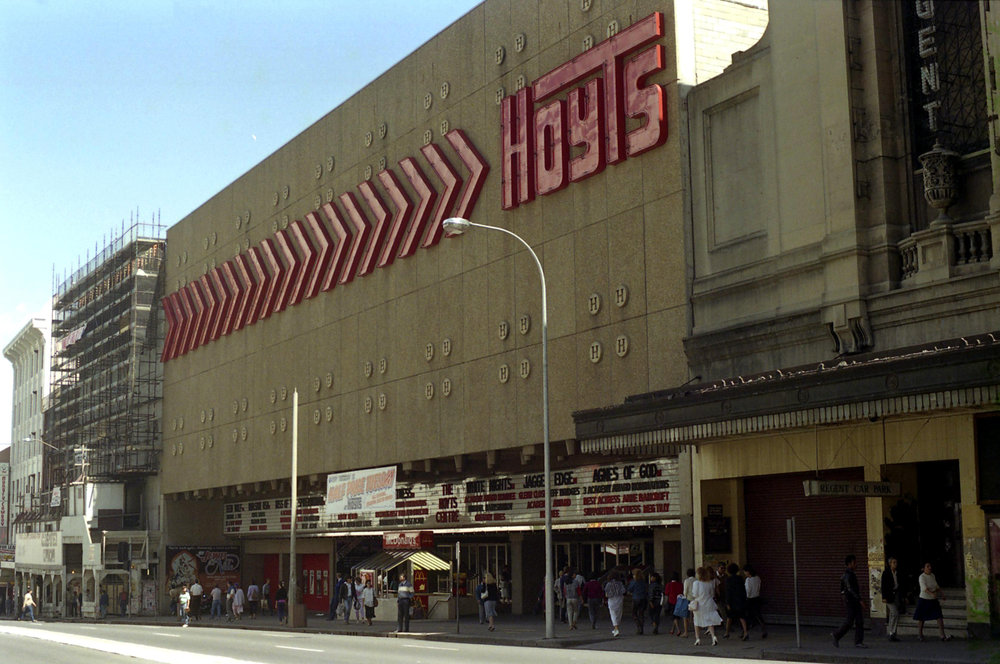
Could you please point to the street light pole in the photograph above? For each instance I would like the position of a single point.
(292, 567)
(457, 226)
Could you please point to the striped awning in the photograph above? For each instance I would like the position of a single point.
(387, 560)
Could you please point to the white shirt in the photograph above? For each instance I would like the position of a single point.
(196, 589)
(689, 587)
(753, 586)
(928, 586)
(368, 596)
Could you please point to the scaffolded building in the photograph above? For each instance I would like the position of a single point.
(100, 525)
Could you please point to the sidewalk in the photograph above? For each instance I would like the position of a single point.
(530, 631)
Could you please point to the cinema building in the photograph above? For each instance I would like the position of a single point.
(842, 263)
(324, 273)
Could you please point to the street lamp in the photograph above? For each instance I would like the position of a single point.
(456, 226)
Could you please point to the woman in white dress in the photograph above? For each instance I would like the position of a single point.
(704, 608)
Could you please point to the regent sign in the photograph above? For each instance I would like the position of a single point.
(536, 142)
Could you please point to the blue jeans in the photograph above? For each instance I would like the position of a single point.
(216, 608)
(30, 612)
(348, 605)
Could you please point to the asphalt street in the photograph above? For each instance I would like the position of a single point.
(56, 643)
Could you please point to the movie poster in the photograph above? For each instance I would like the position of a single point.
(210, 565)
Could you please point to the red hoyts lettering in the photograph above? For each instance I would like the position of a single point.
(592, 117)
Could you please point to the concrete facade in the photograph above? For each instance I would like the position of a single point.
(432, 362)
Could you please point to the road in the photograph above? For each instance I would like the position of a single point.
(67, 643)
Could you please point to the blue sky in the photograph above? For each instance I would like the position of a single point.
(115, 110)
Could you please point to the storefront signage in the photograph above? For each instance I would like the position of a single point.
(407, 541)
(858, 489)
(39, 549)
(211, 565)
(589, 496)
(361, 490)
(536, 142)
(7, 554)
(4, 500)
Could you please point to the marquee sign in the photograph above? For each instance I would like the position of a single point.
(586, 496)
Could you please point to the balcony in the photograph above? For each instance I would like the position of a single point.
(946, 250)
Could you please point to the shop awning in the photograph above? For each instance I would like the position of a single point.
(387, 560)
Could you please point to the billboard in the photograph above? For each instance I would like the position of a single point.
(361, 490)
(4, 501)
(210, 565)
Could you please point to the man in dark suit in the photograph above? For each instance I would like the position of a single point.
(894, 597)
(855, 605)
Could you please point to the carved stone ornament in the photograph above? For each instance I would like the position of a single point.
(940, 180)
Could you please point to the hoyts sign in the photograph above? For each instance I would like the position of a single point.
(423, 539)
(539, 129)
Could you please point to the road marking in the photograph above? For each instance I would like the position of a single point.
(413, 645)
(173, 636)
(294, 648)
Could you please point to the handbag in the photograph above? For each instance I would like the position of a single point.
(375, 602)
(693, 605)
(681, 608)
(484, 595)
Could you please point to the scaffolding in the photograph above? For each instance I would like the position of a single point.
(103, 412)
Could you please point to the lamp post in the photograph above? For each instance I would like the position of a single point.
(457, 226)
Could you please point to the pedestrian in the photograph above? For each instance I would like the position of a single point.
(79, 605)
(265, 597)
(104, 601)
(490, 603)
(853, 603)
(560, 591)
(239, 601)
(928, 603)
(28, 605)
(347, 598)
(703, 606)
(281, 603)
(216, 602)
(481, 596)
(184, 602)
(614, 590)
(196, 590)
(736, 600)
(359, 586)
(368, 599)
(655, 594)
(893, 597)
(335, 597)
(175, 593)
(122, 603)
(638, 588)
(752, 587)
(683, 608)
(593, 595)
(404, 596)
(673, 590)
(230, 595)
(573, 589)
(253, 598)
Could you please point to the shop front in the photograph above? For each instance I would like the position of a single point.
(616, 514)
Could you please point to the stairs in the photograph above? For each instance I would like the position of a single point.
(955, 618)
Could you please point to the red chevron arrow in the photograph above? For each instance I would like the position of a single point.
(237, 297)
(427, 197)
(362, 231)
(260, 277)
(400, 220)
(210, 313)
(381, 213)
(285, 245)
(172, 324)
(193, 298)
(451, 182)
(272, 283)
(308, 261)
(478, 169)
(324, 254)
(241, 262)
(343, 233)
(225, 303)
